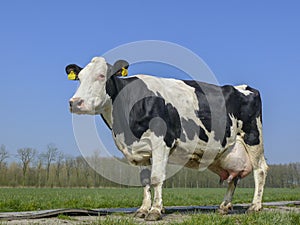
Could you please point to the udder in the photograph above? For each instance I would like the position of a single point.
(234, 162)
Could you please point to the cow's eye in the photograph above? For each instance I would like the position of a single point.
(100, 77)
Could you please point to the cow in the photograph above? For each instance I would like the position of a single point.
(155, 121)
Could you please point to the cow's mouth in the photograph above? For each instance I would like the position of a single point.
(75, 110)
(79, 110)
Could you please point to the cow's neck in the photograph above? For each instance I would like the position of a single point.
(113, 87)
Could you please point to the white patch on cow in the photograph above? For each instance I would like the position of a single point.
(146, 205)
(160, 154)
(175, 92)
(242, 89)
(234, 129)
(184, 151)
(127, 150)
(140, 152)
(196, 153)
(144, 145)
(120, 143)
(239, 124)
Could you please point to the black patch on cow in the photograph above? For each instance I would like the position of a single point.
(114, 85)
(192, 130)
(257, 100)
(137, 109)
(203, 113)
(220, 102)
(246, 108)
(153, 113)
(211, 105)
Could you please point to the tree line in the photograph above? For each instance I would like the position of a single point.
(52, 168)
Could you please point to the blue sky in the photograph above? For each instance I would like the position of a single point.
(253, 42)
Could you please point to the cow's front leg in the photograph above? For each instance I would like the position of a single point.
(157, 207)
(143, 211)
(158, 175)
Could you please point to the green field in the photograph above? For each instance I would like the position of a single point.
(28, 199)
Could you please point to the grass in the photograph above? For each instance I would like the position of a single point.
(255, 218)
(29, 199)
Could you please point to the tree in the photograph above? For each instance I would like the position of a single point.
(26, 155)
(69, 164)
(3, 155)
(59, 164)
(39, 172)
(49, 156)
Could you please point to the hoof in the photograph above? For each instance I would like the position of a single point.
(222, 212)
(224, 209)
(153, 215)
(254, 208)
(141, 214)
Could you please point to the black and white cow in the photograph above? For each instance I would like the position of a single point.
(158, 120)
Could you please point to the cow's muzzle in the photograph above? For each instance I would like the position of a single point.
(76, 105)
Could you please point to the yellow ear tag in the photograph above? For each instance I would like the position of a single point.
(72, 75)
(124, 72)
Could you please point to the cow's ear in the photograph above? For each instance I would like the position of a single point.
(73, 70)
(120, 68)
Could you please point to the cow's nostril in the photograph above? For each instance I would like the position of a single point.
(79, 102)
(75, 102)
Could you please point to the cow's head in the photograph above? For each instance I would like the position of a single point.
(91, 96)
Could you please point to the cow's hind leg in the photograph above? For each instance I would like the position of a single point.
(259, 165)
(143, 211)
(226, 205)
(260, 172)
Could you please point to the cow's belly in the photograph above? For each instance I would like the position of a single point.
(188, 154)
(231, 161)
(195, 154)
(140, 152)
